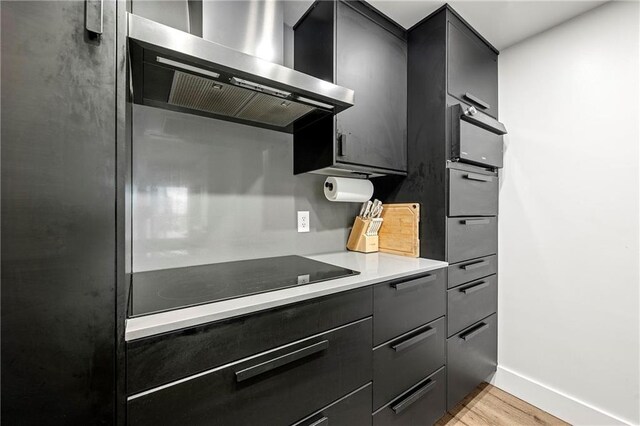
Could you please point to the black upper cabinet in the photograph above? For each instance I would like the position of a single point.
(472, 68)
(352, 45)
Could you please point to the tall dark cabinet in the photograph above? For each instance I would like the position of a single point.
(454, 152)
(350, 44)
(59, 213)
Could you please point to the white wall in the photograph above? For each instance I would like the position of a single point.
(569, 218)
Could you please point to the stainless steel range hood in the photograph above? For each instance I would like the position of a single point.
(175, 70)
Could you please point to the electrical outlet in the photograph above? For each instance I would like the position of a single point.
(303, 221)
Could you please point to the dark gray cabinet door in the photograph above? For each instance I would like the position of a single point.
(402, 305)
(471, 357)
(471, 302)
(472, 192)
(373, 62)
(472, 69)
(58, 215)
(423, 404)
(405, 361)
(351, 410)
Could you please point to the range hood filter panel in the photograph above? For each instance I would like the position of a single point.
(199, 93)
(272, 110)
(193, 92)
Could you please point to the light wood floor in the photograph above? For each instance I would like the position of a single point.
(490, 406)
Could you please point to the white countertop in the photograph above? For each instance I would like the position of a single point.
(373, 267)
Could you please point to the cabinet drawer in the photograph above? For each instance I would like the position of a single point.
(471, 237)
(405, 361)
(351, 410)
(161, 359)
(473, 193)
(464, 272)
(275, 387)
(423, 404)
(471, 357)
(400, 306)
(472, 69)
(471, 302)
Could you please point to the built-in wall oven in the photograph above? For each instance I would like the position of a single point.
(476, 138)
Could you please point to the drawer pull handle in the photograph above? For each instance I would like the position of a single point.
(414, 283)
(272, 364)
(475, 222)
(476, 265)
(476, 100)
(415, 396)
(321, 422)
(413, 340)
(479, 178)
(475, 287)
(473, 333)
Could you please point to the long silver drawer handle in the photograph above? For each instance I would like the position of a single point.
(272, 364)
(473, 333)
(405, 403)
(476, 222)
(475, 287)
(479, 178)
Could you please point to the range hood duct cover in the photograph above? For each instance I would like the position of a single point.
(176, 70)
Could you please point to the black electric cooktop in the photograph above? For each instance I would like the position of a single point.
(169, 289)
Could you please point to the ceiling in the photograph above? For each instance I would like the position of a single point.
(503, 23)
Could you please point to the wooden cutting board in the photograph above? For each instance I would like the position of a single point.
(399, 233)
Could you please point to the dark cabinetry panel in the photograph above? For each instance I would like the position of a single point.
(472, 68)
(403, 305)
(349, 43)
(373, 62)
(464, 272)
(157, 360)
(352, 410)
(471, 237)
(472, 192)
(275, 387)
(471, 357)
(423, 404)
(58, 214)
(406, 360)
(455, 145)
(471, 302)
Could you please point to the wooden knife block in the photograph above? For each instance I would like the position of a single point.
(359, 240)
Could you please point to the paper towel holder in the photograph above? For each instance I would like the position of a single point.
(328, 185)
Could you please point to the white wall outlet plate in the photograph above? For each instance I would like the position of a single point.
(303, 221)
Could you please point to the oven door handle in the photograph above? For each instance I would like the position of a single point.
(472, 116)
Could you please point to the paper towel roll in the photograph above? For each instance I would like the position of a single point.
(348, 190)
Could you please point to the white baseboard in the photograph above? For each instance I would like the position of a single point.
(552, 401)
